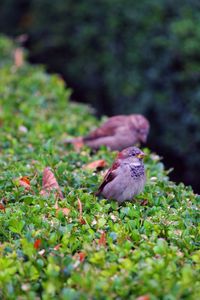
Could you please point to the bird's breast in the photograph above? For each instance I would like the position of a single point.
(137, 171)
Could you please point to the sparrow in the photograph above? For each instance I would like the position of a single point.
(126, 178)
(117, 133)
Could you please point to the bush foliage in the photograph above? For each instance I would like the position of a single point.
(124, 57)
(149, 247)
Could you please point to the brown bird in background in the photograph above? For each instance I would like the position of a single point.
(126, 178)
(117, 133)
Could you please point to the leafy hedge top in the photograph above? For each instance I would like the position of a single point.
(136, 56)
(117, 252)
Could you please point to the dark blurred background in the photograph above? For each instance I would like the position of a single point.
(124, 57)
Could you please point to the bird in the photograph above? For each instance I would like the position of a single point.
(126, 178)
(117, 133)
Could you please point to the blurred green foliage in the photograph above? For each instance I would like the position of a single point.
(151, 245)
(123, 57)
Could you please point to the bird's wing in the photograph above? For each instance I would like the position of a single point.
(108, 128)
(110, 175)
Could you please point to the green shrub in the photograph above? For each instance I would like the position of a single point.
(124, 57)
(150, 249)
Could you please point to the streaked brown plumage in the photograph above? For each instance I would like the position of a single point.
(126, 178)
(117, 133)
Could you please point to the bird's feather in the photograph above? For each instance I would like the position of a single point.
(110, 175)
(109, 128)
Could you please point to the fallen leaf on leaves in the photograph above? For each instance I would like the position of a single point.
(56, 204)
(81, 220)
(3, 203)
(64, 210)
(144, 297)
(144, 202)
(49, 183)
(97, 164)
(25, 182)
(2, 207)
(80, 256)
(57, 247)
(80, 207)
(18, 57)
(102, 240)
(37, 243)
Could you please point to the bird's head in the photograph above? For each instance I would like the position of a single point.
(140, 126)
(131, 152)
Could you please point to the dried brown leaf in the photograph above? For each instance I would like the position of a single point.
(80, 256)
(97, 164)
(18, 57)
(25, 182)
(143, 297)
(64, 210)
(37, 243)
(144, 202)
(102, 240)
(2, 207)
(49, 183)
(57, 247)
(80, 208)
(3, 203)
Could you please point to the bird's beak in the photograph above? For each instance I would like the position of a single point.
(140, 155)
